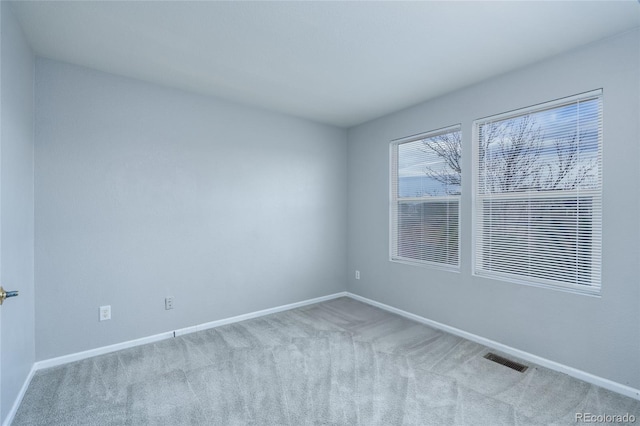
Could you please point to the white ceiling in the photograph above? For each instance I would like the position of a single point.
(341, 63)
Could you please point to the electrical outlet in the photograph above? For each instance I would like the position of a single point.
(105, 313)
(357, 275)
(168, 303)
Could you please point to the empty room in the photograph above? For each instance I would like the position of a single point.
(319, 213)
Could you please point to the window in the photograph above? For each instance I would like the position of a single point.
(538, 194)
(425, 198)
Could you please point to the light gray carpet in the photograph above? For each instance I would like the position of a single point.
(340, 362)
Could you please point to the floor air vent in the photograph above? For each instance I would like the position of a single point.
(506, 362)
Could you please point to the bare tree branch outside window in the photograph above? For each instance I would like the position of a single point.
(448, 147)
(514, 157)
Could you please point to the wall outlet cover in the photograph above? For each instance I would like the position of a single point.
(168, 303)
(105, 313)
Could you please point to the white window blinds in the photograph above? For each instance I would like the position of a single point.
(425, 198)
(538, 194)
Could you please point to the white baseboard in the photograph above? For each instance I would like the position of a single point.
(552, 365)
(257, 314)
(65, 359)
(168, 334)
(14, 408)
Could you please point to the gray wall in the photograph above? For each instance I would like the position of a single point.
(144, 192)
(16, 210)
(597, 335)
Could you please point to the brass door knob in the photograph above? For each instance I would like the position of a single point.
(6, 294)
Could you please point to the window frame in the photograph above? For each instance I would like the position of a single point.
(597, 197)
(395, 199)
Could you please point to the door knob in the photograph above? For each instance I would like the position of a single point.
(6, 294)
